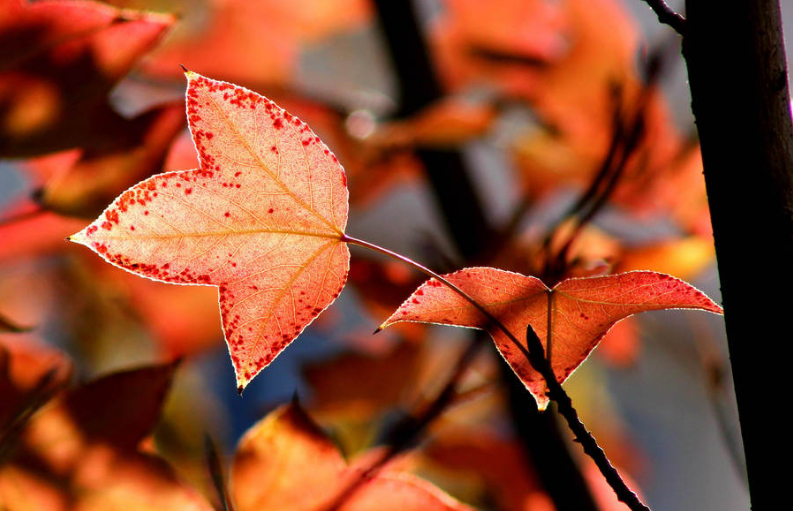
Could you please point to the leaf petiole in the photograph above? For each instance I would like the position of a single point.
(420, 267)
(537, 358)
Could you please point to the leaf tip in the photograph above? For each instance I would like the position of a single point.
(77, 237)
(190, 75)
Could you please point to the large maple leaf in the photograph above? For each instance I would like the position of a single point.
(262, 219)
(570, 318)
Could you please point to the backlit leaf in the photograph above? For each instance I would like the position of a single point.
(577, 312)
(285, 462)
(262, 219)
(81, 451)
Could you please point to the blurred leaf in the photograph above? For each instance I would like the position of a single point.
(337, 387)
(684, 258)
(253, 43)
(60, 60)
(285, 462)
(81, 451)
(84, 187)
(24, 364)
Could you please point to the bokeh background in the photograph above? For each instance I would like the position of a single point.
(661, 395)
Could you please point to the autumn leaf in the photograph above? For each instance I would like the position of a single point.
(82, 182)
(28, 369)
(60, 61)
(285, 462)
(262, 219)
(570, 318)
(230, 34)
(82, 451)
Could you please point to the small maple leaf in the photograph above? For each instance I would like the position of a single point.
(570, 319)
(262, 219)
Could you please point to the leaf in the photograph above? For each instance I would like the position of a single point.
(577, 312)
(59, 62)
(494, 468)
(337, 388)
(262, 219)
(81, 451)
(285, 462)
(85, 186)
(230, 34)
(25, 366)
(7, 325)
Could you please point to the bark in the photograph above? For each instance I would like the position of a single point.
(736, 63)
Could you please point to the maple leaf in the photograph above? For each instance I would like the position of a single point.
(285, 462)
(575, 314)
(262, 219)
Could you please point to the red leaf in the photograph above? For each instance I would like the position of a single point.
(286, 462)
(578, 312)
(262, 219)
(81, 451)
(233, 33)
(60, 60)
(85, 186)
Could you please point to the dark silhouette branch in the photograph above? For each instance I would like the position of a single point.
(737, 74)
(667, 15)
(582, 435)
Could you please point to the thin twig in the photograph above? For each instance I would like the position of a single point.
(216, 473)
(541, 365)
(583, 436)
(667, 16)
(405, 433)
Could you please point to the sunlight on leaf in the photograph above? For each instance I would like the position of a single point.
(578, 312)
(285, 462)
(262, 219)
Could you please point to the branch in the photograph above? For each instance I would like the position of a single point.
(667, 16)
(583, 436)
(409, 430)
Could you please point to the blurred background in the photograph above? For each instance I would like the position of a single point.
(569, 120)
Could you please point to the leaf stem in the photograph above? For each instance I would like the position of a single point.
(535, 354)
(420, 267)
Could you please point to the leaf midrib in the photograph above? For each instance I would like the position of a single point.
(267, 170)
(235, 232)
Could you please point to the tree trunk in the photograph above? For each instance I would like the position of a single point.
(736, 63)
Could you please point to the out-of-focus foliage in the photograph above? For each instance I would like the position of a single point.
(564, 91)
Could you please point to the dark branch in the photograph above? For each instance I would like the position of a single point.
(667, 16)
(582, 435)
